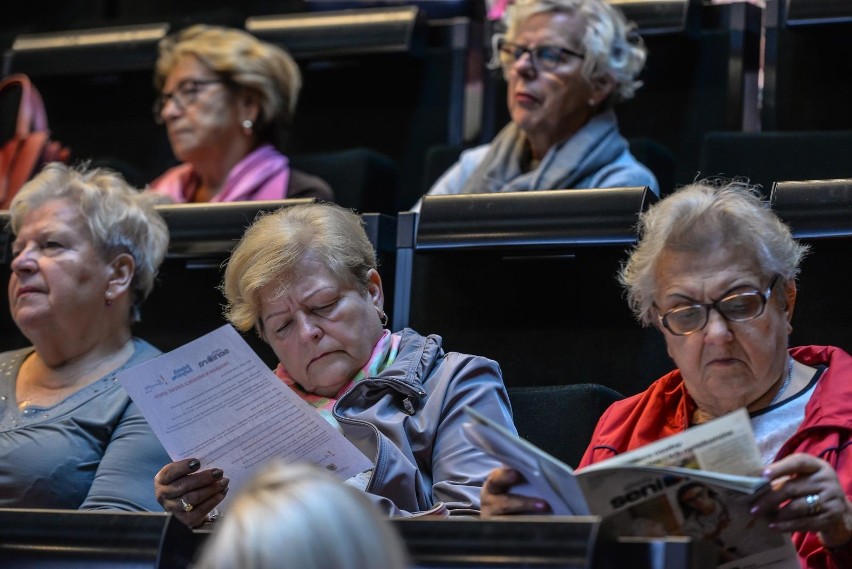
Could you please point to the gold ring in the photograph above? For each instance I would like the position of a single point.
(187, 507)
(814, 505)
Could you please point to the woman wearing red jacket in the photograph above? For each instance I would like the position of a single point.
(715, 272)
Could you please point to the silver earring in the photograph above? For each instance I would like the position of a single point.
(247, 126)
(383, 318)
(591, 102)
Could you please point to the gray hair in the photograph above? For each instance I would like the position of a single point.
(120, 219)
(298, 516)
(259, 67)
(276, 242)
(701, 217)
(611, 46)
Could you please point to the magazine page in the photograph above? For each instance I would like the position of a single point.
(659, 490)
(215, 400)
(725, 444)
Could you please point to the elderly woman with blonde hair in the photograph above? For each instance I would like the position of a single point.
(305, 279)
(227, 100)
(297, 516)
(715, 272)
(85, 253)
(567, 64)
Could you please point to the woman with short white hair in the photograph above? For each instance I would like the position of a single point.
(567, 63)
(85, 253)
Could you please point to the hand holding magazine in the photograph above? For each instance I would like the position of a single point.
(698, 483)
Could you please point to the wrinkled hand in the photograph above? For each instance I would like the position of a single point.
(497, 501)
(202, 490)
(796, 477)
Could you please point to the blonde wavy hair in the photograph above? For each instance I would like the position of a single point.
(273, 245)
(298, 516)
(242, 61)
(120, 219)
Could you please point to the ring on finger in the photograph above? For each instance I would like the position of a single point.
(187, 507)
(814, 504)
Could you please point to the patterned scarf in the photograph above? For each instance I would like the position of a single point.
(384, 354)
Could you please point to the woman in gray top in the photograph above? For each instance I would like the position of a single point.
(86, 250)
(305, 279)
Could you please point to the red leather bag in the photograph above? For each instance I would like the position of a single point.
(30, 146)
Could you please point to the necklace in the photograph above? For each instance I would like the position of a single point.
(28, 396)
(786, 383)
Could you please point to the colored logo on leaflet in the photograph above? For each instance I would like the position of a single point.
(181, 371)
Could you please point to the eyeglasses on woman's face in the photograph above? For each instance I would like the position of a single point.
(542, 57)
(183, 95)
(737, 307)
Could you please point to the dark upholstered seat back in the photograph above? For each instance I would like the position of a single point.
(560, 419)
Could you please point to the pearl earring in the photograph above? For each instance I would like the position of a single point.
(247, 126)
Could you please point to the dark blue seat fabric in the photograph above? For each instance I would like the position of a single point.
(560, 419)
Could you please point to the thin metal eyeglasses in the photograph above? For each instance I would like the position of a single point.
(185, 94)
(738, 307)
(542, 57)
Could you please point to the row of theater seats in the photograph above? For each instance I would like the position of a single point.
(524, 278)
(527, 279)
(424, 65)
(69, 539)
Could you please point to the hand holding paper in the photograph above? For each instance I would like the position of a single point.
(214, 399)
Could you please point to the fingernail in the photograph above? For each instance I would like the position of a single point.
(194, 465)
(753, 510)
(225, 492)
(542, 507)
(767, 473)
(217, 473)
(224, 483)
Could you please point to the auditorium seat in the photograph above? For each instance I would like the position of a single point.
(529, 280)
(768, 157)
(699, 78)
(560, 419)
(807, 65)
(363, 179)
(820, 215)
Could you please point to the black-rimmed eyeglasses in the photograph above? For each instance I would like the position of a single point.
(737, 307)
(542, 57)
(184, 94)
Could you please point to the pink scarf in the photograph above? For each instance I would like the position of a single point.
(263, 174)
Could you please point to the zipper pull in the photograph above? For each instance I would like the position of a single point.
(409, 407)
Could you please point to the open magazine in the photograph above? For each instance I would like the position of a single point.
(699, 483)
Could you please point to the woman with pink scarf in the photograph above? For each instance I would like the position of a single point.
(226, 99)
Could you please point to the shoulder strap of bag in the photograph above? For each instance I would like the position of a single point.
(20, 155)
